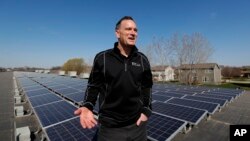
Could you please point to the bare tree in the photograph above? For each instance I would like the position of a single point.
(191, 49)
(178, 50)
(148, 51)
(159, 52)
(230, 72)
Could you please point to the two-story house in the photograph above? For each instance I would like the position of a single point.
(162, 73)
(199, 73)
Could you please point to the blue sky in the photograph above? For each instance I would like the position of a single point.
(46, 33)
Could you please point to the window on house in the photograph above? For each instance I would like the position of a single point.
(194, 78)
(205, 79)
(208, 70)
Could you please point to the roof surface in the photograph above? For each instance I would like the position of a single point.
(216, 128)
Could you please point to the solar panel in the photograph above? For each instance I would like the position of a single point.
(76, 97)
(70, 130)
(191, 115)
(43, 99)
(170, 94)
(67, 91)
(33, 87)
(55, 87)
(55, 112)
(80, 87)
(51, 83)
(222, 102)
(37, 92)
(160, 97)
(210, 107)
(26, 82)
(163, 128)
(222, 94)
(59, 122)
(182, 92)
(232, 91)
(229, 98)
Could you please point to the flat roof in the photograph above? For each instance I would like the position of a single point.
(216, 128)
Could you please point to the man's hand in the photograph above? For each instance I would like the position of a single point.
(87, 119)
(142, 118)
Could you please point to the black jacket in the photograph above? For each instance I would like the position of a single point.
(123, 85)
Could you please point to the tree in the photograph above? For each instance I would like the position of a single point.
(75, 64)
(180, 49)
(230, 72)
(159, 52)
(191, 49)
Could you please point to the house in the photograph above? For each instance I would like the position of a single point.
(162, 73)
(245, 71)
(199, 73)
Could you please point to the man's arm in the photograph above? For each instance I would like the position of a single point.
(95, 83)
(146, 93)
(147, 83)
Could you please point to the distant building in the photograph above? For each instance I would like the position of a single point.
(245, 71)
(84, 75)
(61, 72)
(46, 71)
(72, 73)
(2, 69)
(199, 73)
(162, 73)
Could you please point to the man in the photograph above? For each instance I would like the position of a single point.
(122, 78)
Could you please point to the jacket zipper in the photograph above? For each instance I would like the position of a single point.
(125, 66)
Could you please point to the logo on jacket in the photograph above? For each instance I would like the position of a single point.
(136, 64)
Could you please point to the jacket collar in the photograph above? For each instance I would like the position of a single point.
(117, 51)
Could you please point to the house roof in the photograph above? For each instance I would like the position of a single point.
(159, 68)
(199, 66)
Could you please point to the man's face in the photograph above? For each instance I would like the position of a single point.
(127, 33)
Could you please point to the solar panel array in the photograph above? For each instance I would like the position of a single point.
(55, 98)
(55, 114)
